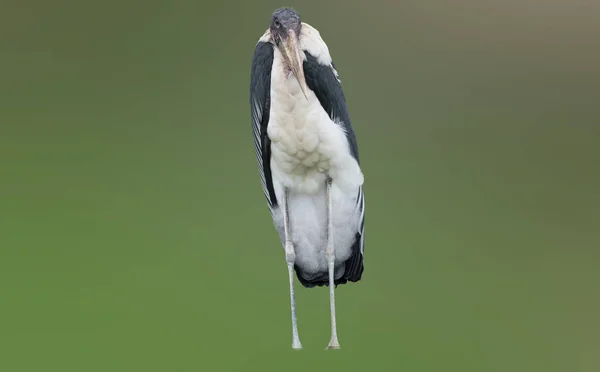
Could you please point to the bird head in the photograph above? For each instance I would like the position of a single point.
(286, 27)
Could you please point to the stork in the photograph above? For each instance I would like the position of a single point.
(307, 159)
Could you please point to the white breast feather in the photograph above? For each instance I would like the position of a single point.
(306, 144)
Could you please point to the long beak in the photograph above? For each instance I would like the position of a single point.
(291, 53)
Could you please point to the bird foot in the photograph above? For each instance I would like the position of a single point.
(333, 345)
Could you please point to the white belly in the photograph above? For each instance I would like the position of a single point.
(307, 147)
(308, 225)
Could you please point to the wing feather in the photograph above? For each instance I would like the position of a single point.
(260, 105)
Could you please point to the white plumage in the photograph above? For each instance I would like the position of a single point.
(307, 146)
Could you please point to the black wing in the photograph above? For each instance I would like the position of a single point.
(324, 82)
(260, 105)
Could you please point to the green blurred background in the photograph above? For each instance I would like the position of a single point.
(134, 235)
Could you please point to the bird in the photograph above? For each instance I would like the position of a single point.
(308, 160)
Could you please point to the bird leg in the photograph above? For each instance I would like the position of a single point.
(330, 255)
(290, 258)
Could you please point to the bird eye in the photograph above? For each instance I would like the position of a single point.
(277, 24)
